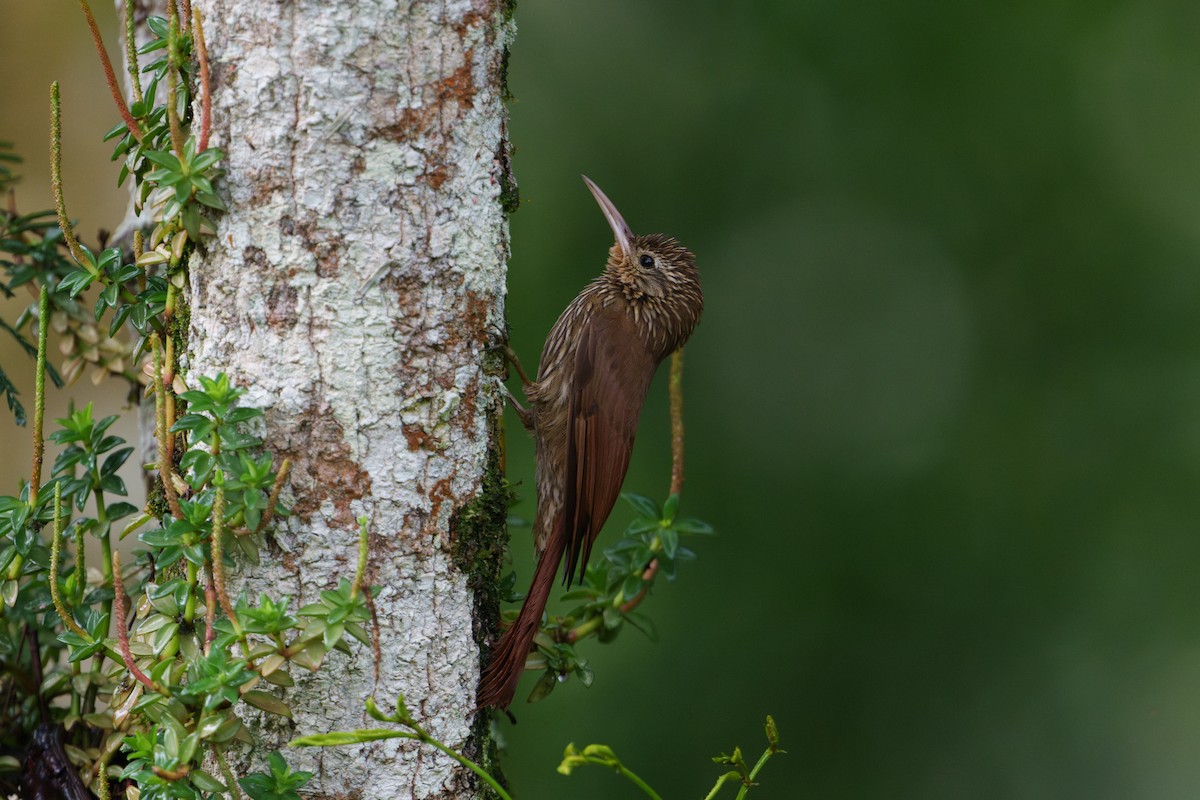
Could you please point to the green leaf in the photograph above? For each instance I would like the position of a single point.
(644, 624)
(267, 702)
(643, 505)
(694, 526)
(206, 782)
(670, 508)
(612, 618)
(585, 674)
(543, 687)
(670, 541)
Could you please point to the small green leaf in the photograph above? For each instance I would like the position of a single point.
(543, 687)
(206, 782)
(693, 527)
(612, 618)
(670, 541)
(670, 508)
(643, 505)
(267, 702)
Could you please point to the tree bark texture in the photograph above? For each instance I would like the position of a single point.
(351, 287)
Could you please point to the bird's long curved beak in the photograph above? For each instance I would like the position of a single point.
(619, 227)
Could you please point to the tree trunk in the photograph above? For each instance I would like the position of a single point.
(351, 287)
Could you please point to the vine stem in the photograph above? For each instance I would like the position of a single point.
(173, 81)
(122, 630)
(39, 395)
(161, 432)
(55, 561)
(361, 568)
(101, 770)
(109, 76)
(131, 53)
(273, 500)
(676, 392)
(226, 772)
(638, 782)
(205, 81)
(762, 760)
(218, 560)
(56, 182)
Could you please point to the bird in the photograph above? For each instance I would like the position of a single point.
(595, 369)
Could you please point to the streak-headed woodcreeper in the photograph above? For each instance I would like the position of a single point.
(583, 410)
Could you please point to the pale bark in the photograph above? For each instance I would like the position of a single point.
(350, 288)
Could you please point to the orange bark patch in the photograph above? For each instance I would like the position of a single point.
(323, 469)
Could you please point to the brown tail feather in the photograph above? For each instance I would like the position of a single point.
(499, 681)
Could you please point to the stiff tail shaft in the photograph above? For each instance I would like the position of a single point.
(499, 681)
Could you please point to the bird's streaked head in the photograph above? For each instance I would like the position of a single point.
(646, 266)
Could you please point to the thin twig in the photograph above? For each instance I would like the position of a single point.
(218, 556)
(210, 612)
(647, 578)
(56, 184)
(361, 568)
(226, 772)
(205, 81)
(173, 82)
(80, 564)
(122, 631)
(131, 53)
(39, 395)
(55, 562)
(676, 389)
(161, 432)
(101, 768)
(109, 75)
(284, 469)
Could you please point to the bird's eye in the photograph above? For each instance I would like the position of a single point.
(646, 260)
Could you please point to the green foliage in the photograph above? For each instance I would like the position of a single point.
(613, 587)
(278, 784)
(159, 683)
(196, 676)
(603, 756)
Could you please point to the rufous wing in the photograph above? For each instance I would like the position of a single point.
(613, 370)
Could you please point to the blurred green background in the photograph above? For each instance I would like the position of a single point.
(944, 404)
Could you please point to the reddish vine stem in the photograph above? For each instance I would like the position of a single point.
(218, 556)
(647, 579)
(210, 612)
(118, 608)
(109, 76)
